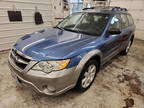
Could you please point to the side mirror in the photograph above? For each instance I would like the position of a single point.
(113, 31)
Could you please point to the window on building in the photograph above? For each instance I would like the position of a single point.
(88, 5)
(76, 5)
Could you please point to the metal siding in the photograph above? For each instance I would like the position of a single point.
(11, 31)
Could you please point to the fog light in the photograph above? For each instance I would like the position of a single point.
(47, 89)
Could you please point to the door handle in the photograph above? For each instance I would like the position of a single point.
(124, 37)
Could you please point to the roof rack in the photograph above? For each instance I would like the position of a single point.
(88, 8)
(119, 9)
(107, 8)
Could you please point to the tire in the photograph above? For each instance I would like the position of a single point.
(87, 77)
(126, 50)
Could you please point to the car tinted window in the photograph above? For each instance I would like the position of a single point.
(130, 19)
(125, 22)
(115, 22)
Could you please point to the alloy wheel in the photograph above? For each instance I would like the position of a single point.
(89, 76)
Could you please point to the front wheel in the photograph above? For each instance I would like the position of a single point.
(126, 50)
(87, 76)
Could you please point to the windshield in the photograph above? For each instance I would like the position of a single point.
(86, 23)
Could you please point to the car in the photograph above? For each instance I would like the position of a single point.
(69, 55)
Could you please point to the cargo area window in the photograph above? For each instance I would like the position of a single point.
(125, 22)
(131, 22)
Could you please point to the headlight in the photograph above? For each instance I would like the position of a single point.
(48, 66)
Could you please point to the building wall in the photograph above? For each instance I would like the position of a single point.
(11, 31)
(58, 11)
(136, 8)
(95, 3)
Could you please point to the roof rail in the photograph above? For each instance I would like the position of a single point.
(88, 8)
(119, 9)
(97, 7)
(107, 8)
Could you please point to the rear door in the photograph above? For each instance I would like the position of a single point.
(125, 29)
(131, 26)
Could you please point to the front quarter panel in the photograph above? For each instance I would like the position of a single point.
(83, 61)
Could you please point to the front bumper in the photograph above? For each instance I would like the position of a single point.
(54, 83)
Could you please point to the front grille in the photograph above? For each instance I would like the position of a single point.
(19, 60)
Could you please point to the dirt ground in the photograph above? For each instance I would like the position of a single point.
(119, 84)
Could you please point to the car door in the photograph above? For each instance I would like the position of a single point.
(131, 26)
(112, 42)
(125, 29)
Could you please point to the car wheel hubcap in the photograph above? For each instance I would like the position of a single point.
(89, 76)
(128, 47)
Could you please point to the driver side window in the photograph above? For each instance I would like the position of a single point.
(115, 22)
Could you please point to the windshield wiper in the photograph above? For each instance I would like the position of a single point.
(66, 29)
(58, 28)
(87, 33)
(76, 31)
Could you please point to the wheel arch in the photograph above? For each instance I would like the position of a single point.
(98, 59)
(94, 54)
(132, 38)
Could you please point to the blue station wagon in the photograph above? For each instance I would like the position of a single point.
(69, 55)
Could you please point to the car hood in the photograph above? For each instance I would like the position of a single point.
(52, 43)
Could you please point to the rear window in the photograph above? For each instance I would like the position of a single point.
(125, 21)
(131, 22)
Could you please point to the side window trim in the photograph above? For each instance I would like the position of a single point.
(120, 21)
